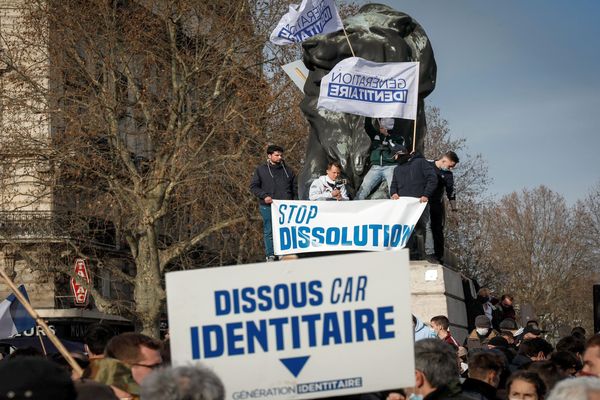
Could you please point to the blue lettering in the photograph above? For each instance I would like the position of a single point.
(248, 299)
(364, 324)
(332, 236)
(217, 334)
(314, 288)
(281, 296)
(295, 332)
(278, 323)
(299, 296)
(263, 295)
(318, 234)
(396, 235)
(331, 329)
(335, 297)
(384, 322)
(345, 241)
(281, 210)
(361, 285)
(232, 339)
(256, 334)
(348, 327)
(285, 239)
(304, 234)
(195, 336)
(311, 322)
(222, 302)
(292, 208)
(376, 228)
(360, 240)
(301, 214)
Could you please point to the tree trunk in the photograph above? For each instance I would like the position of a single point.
(148, 292)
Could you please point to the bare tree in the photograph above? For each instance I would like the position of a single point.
(157, 113)
(465, 235)
(538, 252)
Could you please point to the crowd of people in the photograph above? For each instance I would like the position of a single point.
(500, 359)
(511, 363)
(407, 174)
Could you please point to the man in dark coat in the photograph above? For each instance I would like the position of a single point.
(485, 370)
(414, 177)
(272, 180)
(443, 166)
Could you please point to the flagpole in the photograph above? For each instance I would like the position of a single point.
(348, 40)
(417, 113)
(59, 346)
(414, 134)
(41, 340)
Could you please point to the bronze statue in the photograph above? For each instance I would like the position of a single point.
(377, 33)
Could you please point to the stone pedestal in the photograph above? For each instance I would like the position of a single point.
(438, 290)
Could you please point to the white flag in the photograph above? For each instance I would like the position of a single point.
(381, 90)
(312, 17)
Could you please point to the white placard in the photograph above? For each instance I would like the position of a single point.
(376, 225)
(315, 327)
(297, 72)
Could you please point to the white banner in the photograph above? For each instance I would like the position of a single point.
(300, 329)
(380, 90)
(312, 17)
(376, 225)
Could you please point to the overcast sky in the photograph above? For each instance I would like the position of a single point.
(520, 81)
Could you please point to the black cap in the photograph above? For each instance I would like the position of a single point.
(399, 150)
(35, 378)
(532, 329)
(498, 341)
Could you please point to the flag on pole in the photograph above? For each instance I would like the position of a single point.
(312, 17)
(13, 316)
(380, 90)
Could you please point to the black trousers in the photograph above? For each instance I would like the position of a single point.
(437, 215)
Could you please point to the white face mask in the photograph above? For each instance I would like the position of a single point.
(415, 396)
(482, 331)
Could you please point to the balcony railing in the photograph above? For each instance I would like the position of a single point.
(31, 225)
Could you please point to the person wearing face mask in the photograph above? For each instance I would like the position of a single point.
(483, 331)
(506, 307)
(434, 243)
(413, 177)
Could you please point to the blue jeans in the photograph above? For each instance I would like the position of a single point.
(373, 178)
(265, 212)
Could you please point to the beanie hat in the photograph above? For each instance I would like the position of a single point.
(481, 321)
(509, 324)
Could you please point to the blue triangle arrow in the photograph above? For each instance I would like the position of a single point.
(294, 364)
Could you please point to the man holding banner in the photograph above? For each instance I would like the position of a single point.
(414, 177)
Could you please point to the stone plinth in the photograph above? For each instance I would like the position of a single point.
(437, 290)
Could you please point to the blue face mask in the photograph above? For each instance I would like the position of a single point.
(415, 396)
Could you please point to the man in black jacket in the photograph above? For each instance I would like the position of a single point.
(443, 166)
(272, 180)
(485, 369)
(414, 177)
